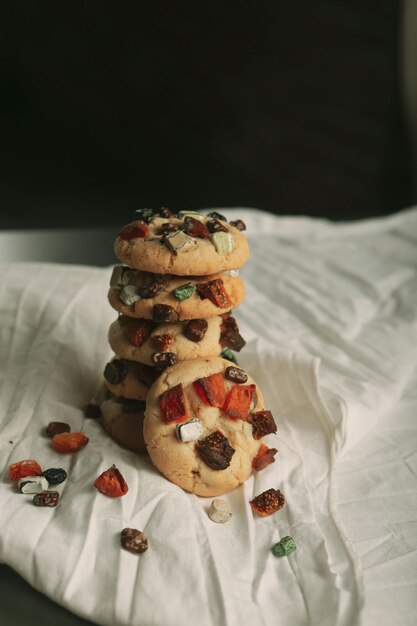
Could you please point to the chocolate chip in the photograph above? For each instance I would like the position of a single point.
(164, 313)
(195, 330)
(236, 375)
(116, 371)
(162, 360)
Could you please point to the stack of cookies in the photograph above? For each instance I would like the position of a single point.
(173, 387)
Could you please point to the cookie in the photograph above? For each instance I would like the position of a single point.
(123, 421)
(136, 293)
(183, 245)
(129, 379)
(161, 345)
(200, 447)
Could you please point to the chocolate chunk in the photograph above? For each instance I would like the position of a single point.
(195, 228)
(238, 224)
(165, 212)
(214, 226)
(167, 227)
(145, 214)
(92, 410)
(134, 540)
(263, 424)
(217, 216)
(115, 371)
(150, 288)
(162, 360)
(215, 450)
(230, 336)
(236, 375)
(46, 498)
(164, 313)
(56, 428)
(195, 330)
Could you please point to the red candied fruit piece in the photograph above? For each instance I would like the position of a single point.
(238, 401)
(29, 467)
(215, 292)
(173, 405)
(69, 442)
(134, 230)
(137, 331)
(211, 389)
(263, 423)
(264, 457)
(268, 502)
(111, 483)
(195, 228)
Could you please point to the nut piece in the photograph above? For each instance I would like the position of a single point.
(32, 484)
(133, 540)
(219, 511)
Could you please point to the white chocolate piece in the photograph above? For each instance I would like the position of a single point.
(223, 242)
(219, 511)
(190, 431)
(120, 276)
(232, 273)
(129, 294)
(195, 214)
(33, 484)
(179, 241)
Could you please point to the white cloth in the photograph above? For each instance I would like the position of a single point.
(330, 320)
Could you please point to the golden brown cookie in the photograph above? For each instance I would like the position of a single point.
(136, 294)
(195, 245)
(200, 426)
(123, 421)
(129, 379)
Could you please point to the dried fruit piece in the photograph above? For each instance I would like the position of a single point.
(215, 451)
(137, 331)
(29, 467)
(238, 401)
(264, 457)
(164, 313)
(195, 228)
(229, 334)
(134, 540)
(183, 292)
(211, 389)
(92, 409)
(284, 547)
(239, 224)
(56, 428)
(162, 360)
(32, 484)
(236, 375)
(214, 226)
(173, 405)
(46, 498)
(116, 371)
(69, 442)
(194, 330)
(219, 511)
(263, 424)
(161, 342)
(134, 230)
(214, 290)
(55, 475)
(268, 502)
(111, 483)
(150, 288)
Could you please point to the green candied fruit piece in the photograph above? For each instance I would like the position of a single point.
(284, 547)
(229, 355)
(183, 292)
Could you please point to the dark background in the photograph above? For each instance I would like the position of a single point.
(291, 107)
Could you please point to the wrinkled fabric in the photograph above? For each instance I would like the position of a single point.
(330, 320)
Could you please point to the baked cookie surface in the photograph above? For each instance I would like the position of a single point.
(129, 379)
(197, 425)
(123, 422)
(195, 245)
(136, 293)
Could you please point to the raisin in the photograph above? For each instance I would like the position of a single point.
(217, 216)
(92, 410)
(134, 230)
(150, 288)
(214, 290)
(268, 502)
(238, 224)
(46, 498)
(111, 483)
(133, 540)
(56, 428)
(264, 457)
(173, 405)
(69, 442)
(29, 467)
(164, 313)
(195, 228)
(236, 375)
(215, 450)
(137, 331)
(116, 371)
(214, 226)
(229, 334)
(263, 424)
(162, 360)
(194, 330)
(161, 342)
(211, 389)
(55, 475)
(238, 401)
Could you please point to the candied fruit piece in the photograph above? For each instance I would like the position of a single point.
(268, 502)
(215, 292)
(264, 457)
(211, 389)
(215, 450)
(195, 228)
(137, 331)
(173, 405)
(229, 334)
(111, 483)
(134, 230)
(69, 442)
(238, 401)
(28, 467)
(263, 424)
